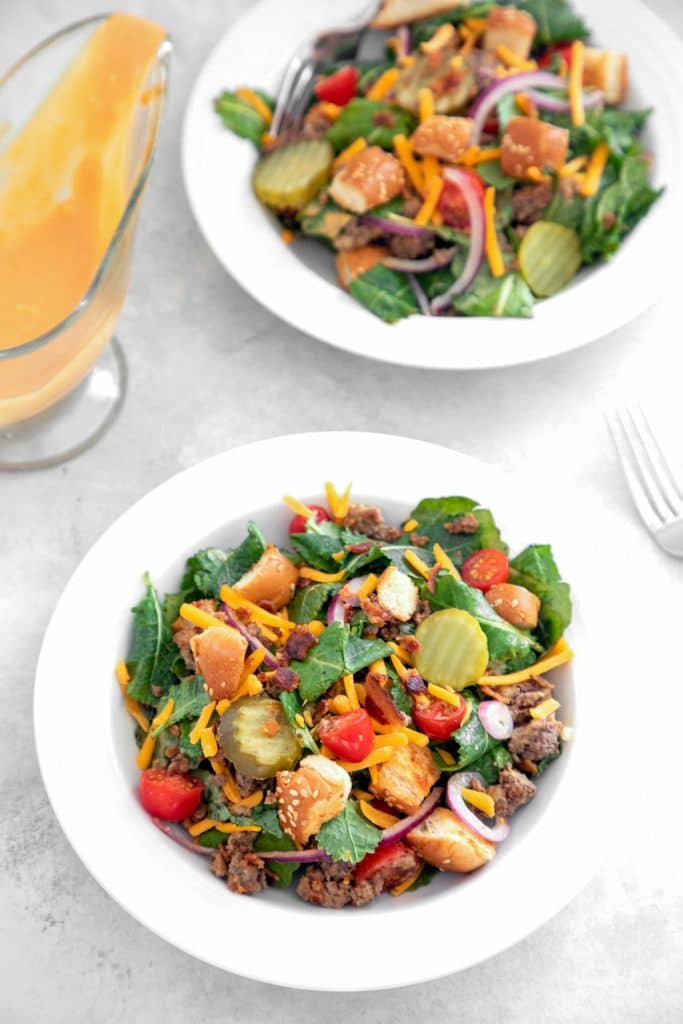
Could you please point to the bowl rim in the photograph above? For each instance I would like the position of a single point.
(547, 842)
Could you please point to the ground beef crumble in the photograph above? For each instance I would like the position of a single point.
(520, 697)
(298, 644)
(368, 519)
(236, 861)
(536, 740)
(512, 791)
(529, 202)
(467, 523)
(332, 886)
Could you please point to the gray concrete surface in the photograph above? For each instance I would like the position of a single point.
(195, 345)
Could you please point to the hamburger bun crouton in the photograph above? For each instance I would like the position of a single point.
(405, 780)
(397, 593)
(445, 843)
(506, 26)
(516, 605)
(315, 793)
(351, 265)
(607, 71)
(446, 138)
(370, 178)
(271, 580)
(398, 12)
(219, 654)
(528, 142)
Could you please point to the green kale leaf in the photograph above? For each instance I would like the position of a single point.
(152, 651)
(556, 21)
(324, 220)
(292, 707)
(265, 842)
(363, 118)
(166, 739)
(208, 570)
(535, 569)
(358, 652)
(324, 663)
(189, 697)
(240, 117)
(349, 836)
(308, 602)
(434, 515)
(507, 296)
(385, 292)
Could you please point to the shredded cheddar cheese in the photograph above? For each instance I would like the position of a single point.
(234, 600)
(350, 691)
(122, 674)
(404, 152)
(410, 525)
(493, 253)
(308, 718)
(299, 719)
(558, 655)
(202, 721)
(526, 105)
(374, 774)
(298, 506)
(596, 166)
(416, 563)
(287, 236)
(391, 739)
(368, 585)
(253, 660)
(252, 801)
(356, 147)
(482, 801)
(457, 62)
(200, 618)
(136, 713)
(254, 686)
(339, 503)
(146, 751)
(441, 693)
(378, 756)
(228, 827)
(255, 101)
(331, 110)
(360, 693)
(267, 139)
(378, 667)
(444, 561)
(511, 60)
(573, 167)
(445, 755)
(576, 83)
(401, 671)
(230, 789)
(379, 818)
(341, 704)
(398, 890)
(207, 739)
(407, 60)
(222, 706)
(199, 827)
(443, 36)
(545, 708)
(425, 99)
(217, 767)
(306, 573)
(535, 174)
(384, 84)
(338, 556)
(400, 653)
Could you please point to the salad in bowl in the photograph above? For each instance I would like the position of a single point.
(353, 711)
(472, 168)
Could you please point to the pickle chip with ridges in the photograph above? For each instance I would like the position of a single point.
(453, 650)
(293, 174)
(549, 257)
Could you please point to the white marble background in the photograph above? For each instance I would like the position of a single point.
(195, 344)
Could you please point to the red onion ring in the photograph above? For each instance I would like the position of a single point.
(405, 40)
(475, 256)
(456, 802)
(254, 643)
(295, 856)
(555, 105)
(337, 611)
(420, 297)
(487, 100)
(439, 259)
(181, 840)
(406, 825)
(496, 718)
(403, 227)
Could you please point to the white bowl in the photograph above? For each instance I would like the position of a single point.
(87, 752)
(297, 282)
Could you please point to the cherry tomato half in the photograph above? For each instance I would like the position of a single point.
(339, 87)
(563, 49)
(484, 568)
(171, 797)
(298, 523)
(395, 862)
(349, 736)
(452, 205)
(439, 719)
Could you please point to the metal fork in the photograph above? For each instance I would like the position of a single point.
(654, 489)
(297, 81)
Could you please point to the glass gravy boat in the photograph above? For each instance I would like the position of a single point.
(60, 391)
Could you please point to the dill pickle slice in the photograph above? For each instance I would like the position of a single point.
(290, 176)
(453, 650)
(251, 748)
(549, 257)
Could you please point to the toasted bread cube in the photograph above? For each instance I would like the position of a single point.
(528, 142)
(315, 793)
(515, 604)
(397, 593)
(368, 179)
(219, 654)
(405, 780)
(446, 843)
(506, 26)
(607, 71)
(271, 580)
(446, 138)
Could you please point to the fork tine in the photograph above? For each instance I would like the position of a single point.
(285, 92)
(299, 97)
(643, 469)
(653, 448)
(640, 499)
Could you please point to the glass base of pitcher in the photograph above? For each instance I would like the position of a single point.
(73, 424)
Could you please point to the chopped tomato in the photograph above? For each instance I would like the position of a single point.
(349, 736)
(452, 205)
(563, 49)
(298, 523)
(395, 862)
(339, 87)
(484, 568)
(439, 719)
(171, 797)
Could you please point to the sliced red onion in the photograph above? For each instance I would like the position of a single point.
(496, 718)
(556, 105)
(456, 802)
(406, 825)
(489, 98)
(180, 839)
(254, 643)
(419, 293)
(440, 258)
(475, 256)
(397, 226)
(415, 683)
(337, 610)
(405, 40)
(295, 856)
